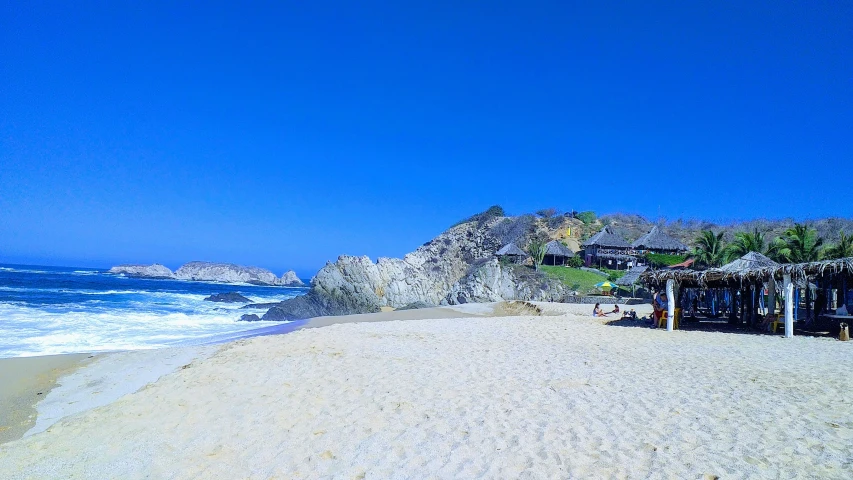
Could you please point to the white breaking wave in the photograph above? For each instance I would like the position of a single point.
(28, 331)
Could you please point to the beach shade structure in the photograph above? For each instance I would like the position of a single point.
(512, 252)
(631, 278)
(556, 253)
(606, 286)
(658, 241)
(748, 262)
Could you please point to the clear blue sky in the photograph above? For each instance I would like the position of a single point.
(284, 135)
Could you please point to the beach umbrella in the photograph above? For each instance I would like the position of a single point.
(606, 286)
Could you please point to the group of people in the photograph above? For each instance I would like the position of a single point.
(660, 304)
(599, 312)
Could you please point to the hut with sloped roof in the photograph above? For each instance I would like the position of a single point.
(631, 278)
(657, 241)
(606, 249)
(556, 253)
(511, 252)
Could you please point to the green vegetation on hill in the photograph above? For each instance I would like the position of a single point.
(482, 217)
(574, 278)
(613, 275)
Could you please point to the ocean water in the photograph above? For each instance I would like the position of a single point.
(52, 310)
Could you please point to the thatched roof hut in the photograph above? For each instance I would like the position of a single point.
(558, 249)
(511, 250)
(631, 277)
(750, 261)
(556, 253)
(658, 241)
(606, 239)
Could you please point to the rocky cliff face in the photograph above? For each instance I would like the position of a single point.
(493, 282)
(149, 271)
(225, 272)
(427, 275)
(289, 279)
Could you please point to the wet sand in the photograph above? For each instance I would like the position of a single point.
(26, 381)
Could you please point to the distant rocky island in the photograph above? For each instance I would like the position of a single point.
(211, 272)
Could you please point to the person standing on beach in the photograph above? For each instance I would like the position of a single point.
(660, 305)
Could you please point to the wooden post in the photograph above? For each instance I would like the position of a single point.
(789, 306)
(670, 304)
(771, 296)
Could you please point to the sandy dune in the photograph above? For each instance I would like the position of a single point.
(512, 397)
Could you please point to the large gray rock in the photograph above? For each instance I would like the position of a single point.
(289, 279)
(427, 275)
(230, 297)
(226, 273)
(149, 271)
(492, 282)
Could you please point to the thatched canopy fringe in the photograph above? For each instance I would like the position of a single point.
(747, 275)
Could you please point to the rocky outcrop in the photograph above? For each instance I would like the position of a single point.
(250, 317)
(493, 282)
(225, 272)
(230, 297)
(289, 279)
(358, 285)
(416, 306)
(148, 271)
(211, 272)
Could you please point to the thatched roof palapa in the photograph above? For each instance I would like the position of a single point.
(511, 250)
(750, 261)
(558, 249)
(658, 240)
(606, 239)
(752, 267)
(632, 276)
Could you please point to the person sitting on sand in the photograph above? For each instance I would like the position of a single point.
(615, 309)
(597, 311)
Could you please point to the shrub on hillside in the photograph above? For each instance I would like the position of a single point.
(514, 229)
(492, 212)
(587, 217)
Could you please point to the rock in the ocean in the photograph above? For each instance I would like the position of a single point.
(289, 279)
(230, 297)
(260, 305)
(225, 272)
(149, 271)
(250, 317)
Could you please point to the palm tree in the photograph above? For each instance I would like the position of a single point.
(536, 249)
(842, 249)
(744, 243)
(709, 248)
(801, 244)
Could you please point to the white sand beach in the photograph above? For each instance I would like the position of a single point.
(553, 396)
